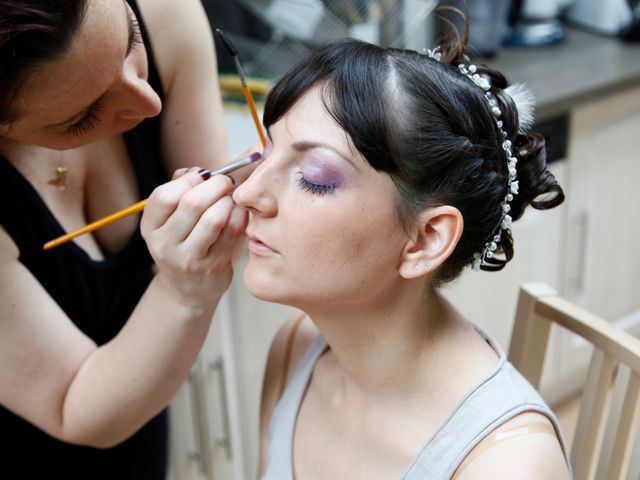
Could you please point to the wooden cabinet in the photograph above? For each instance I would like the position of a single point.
(601, 260)
(206, 419)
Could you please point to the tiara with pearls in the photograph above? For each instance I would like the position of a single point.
(487, 251)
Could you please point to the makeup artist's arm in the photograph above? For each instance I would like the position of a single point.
(57, 378)
(193, 130)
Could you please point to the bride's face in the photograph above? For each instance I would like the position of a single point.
(97, 88)
(324, 227)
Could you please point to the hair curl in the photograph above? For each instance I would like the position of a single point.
(431, 129)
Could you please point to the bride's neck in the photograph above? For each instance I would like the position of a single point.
(385, 345)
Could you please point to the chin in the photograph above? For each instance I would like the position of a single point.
(263, 287)
(274, 288)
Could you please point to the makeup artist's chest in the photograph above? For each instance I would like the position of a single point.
(100, 180)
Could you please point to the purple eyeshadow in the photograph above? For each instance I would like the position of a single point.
(322, 175)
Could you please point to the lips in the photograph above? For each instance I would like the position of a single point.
(259, 247)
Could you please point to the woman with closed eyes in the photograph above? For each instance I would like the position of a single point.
(388, 172)
(100, 101)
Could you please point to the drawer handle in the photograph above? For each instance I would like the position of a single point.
(224, 440)
(203, 453)
(580, 232)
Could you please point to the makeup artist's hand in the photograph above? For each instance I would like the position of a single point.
(191, 226)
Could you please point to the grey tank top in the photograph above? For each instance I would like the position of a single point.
(502, 395)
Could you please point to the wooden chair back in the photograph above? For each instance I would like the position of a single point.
(604, 444)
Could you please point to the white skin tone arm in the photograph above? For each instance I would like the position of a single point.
(56, 377)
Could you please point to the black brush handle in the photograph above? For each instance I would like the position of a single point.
(227, 43)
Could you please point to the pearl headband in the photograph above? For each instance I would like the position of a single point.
(523, 99)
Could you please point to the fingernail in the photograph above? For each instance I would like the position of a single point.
(204, 173)
(233, 180)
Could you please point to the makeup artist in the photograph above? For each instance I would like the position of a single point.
(100, 101)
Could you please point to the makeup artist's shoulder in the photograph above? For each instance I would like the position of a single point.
(177, 29)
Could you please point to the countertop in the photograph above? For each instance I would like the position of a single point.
(583, 68)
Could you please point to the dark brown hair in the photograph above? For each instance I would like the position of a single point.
(431, 129)
(32, 32)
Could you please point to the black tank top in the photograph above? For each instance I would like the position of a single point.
(98, 296)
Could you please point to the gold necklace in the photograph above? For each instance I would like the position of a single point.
(60, 179)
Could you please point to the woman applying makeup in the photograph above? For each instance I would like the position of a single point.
(100, 100)
(387, 173)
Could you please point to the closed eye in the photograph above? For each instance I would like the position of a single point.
(315, 188)
(88, 121)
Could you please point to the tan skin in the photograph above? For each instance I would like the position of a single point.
(394, 367)
(100, 396)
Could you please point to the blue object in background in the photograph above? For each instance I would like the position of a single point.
(534, 23)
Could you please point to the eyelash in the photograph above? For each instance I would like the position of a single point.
(315, 188)
(87, 122)
(137, 36)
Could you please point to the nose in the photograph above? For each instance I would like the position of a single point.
(255, 193)
(139, 99)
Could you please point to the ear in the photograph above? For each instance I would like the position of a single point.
(436, 234)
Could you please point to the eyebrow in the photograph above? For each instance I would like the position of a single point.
(133, 26)
(306, 145)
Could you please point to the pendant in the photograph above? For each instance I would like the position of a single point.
(61, 178)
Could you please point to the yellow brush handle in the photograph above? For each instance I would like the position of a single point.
(254, 113)
(130, 210)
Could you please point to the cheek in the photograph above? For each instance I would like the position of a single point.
(349, 247)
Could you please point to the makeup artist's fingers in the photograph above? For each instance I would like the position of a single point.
(218, 230)
(208, 228)
(193, 204)
(164, 200)
(182, 194)
(180, 172)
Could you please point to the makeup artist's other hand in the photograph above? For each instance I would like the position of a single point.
(191, 227)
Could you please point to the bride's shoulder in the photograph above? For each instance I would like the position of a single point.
(525, 447)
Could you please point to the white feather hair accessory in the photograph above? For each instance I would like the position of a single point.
(525, 104)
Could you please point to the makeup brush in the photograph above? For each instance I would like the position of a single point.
(138, 207)
(233, 51)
